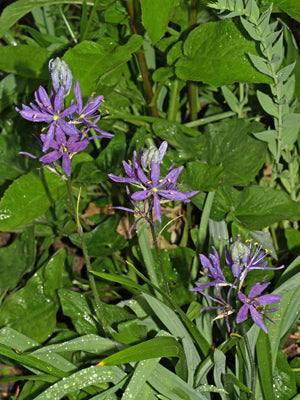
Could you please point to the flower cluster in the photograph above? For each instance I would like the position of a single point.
(144, 174)
(73, 122)
(241, 258)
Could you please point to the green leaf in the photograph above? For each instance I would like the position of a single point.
(90, 61)
(264, 360)
(216, 53)
(16, 259)
(291, 7)
(293, 240)
(28, 197)
(103, 240)
(261, 64)
(228, 144)
(32, 309)
(25, 60)
(267, 104)
(113, 154)
(284, 385)
(153, 348)
(200, 176)
(255, 207)
(82, 379)
(155, 17)
(231, 99)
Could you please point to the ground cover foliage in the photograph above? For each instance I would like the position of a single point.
(149, 208)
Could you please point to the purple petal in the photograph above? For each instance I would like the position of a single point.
(66, 164)
(78, 146)
(155, 173)
(257, 289)
(69, 129)
(120, 179)
(51, 157)
(48, 140)
(269, 299)
(78, 96)
(172, 195)
(68, 111)
(142, 177)
(27, 154)
(242, 297)
(42, 98)
(242, 314)
(157, 208)
(206, 264)
(142, 195)
(162, 150)
(258, 319)
(59, 100)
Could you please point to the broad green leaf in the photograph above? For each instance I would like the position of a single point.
(103, 240)
(254, 207)
(32, 309)
(90, 61)
(80, 380)
(201, 176)
(28, 197)
(219, 369)
(113, 154)
(228, 144)
(25, 60)
(12, 13)
(291, 7)
(293, 240)
(16, 259)
(155, 17)
(153, 348)
(216, 53)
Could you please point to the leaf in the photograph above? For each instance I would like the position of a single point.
(103, 240)
(264, 360)
(25, 60)
(16, 259)
(90, 61)
(267, 104)
(284, 385)
(28, 197)
(254, 207)
(153, 348)
(215, 53)
(291, 7)
(81, 379)
(228, 144)
(37, 301)
(231, 99)
(113, 154)
(155, 17)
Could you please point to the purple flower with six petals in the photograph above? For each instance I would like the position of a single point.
(255, 304)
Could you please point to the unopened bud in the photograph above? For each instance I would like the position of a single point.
(60, 74)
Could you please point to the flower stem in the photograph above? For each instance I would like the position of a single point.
(252, 362)
(202, 232)
(99, 309)
(161, 266)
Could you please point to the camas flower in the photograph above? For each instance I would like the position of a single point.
(89, 111)
(153, 187)
(243, 258)
(50, 111)
(213, 270)
(139, 213)
(255, 304)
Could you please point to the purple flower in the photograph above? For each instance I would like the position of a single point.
(153, 187)
(89, 111)
(243, 258)
(139, 213)
(211, 269)
(255, 304)
(225, 307)
(63, 148)
(50, 111)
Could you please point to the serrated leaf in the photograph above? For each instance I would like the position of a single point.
(155, 17)
(28, 197)
(215, 53)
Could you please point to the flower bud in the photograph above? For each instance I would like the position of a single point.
(60, 74)
(239, 252)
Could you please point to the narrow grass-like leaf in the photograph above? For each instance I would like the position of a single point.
(80, 380)
(141, 373)
(264, 361)
(153, 348)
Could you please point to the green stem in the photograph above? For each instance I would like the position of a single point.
(141, 59)
(99, 309)
(252, 362)
(144, 244)
(202, 232)
(192, 86)
(67, 25)
(172, 100)
(160, 263)
(90, 20)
